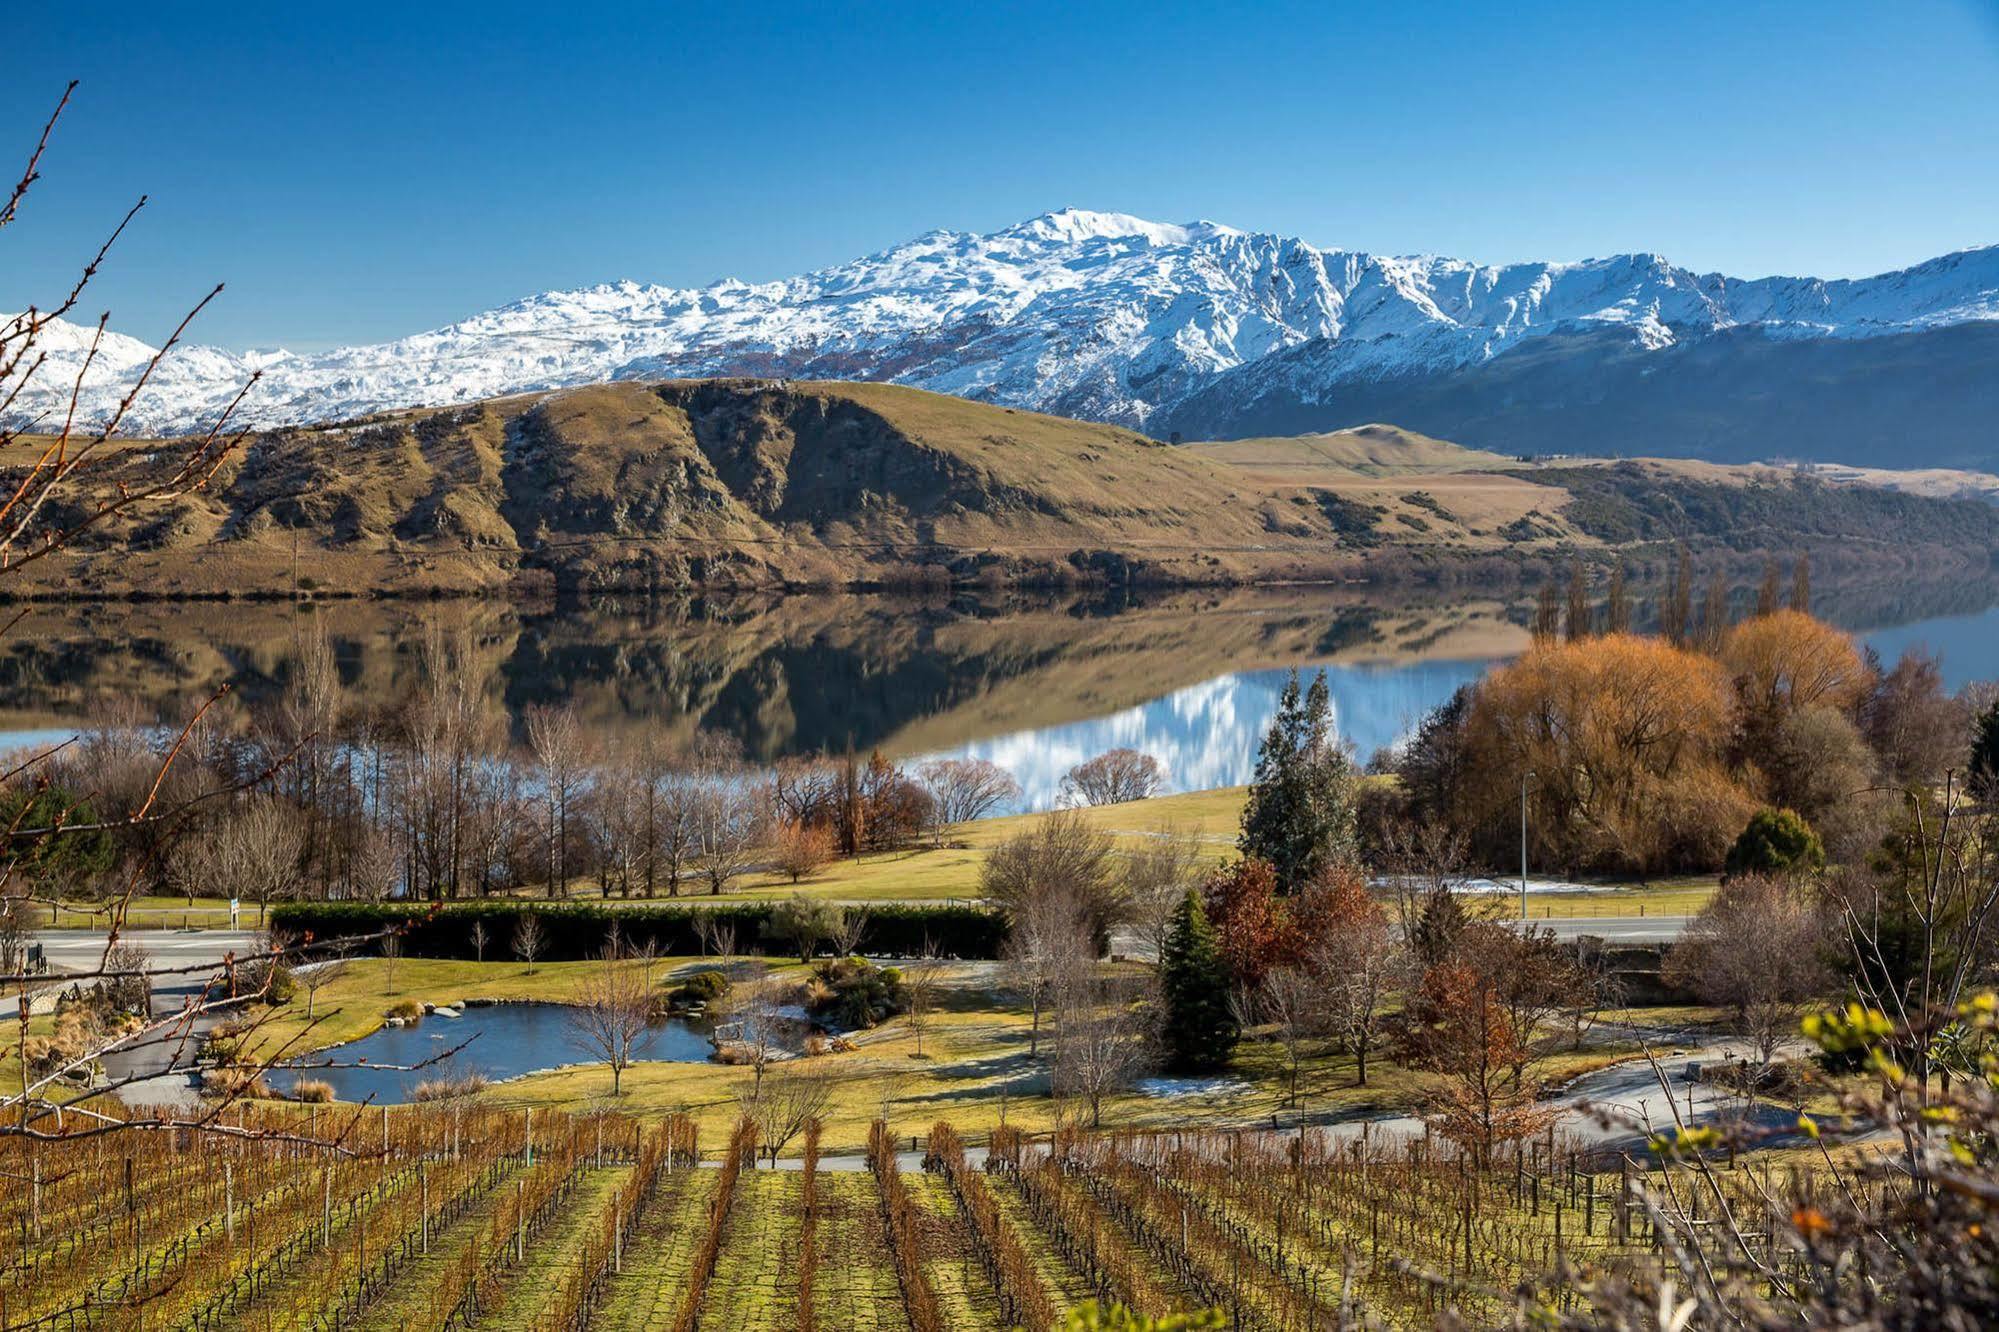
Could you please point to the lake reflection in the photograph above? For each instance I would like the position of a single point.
(1033, 683)
(1205, 735)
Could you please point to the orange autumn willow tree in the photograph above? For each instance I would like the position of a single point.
(1627, 740)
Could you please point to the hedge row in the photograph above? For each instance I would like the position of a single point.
(576, 930)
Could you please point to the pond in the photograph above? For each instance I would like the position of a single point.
(501, 1041)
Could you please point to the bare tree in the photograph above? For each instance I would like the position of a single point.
(1592, 987)
(1157, 875)
(675, 824)
(966, 789)
(1423, 862)
(848, 929)
(479, 939)
(316, 975)
(623, 813)
(373, 869)
(16, 930)
(1047, 941)
(759, 1030)
(716, 935)
(731, 823)
(1292, 1000)
(921, 980)
(255, 853)
(1354, 960)
(1758, 950)
(1062, 855)
(1103, 1036)
(611, 1012)
(1113, 778)
(392, 953)
(528, 938)
(782, 1105)
(560, 749)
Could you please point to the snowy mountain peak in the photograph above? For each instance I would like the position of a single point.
(1093, 314)
(1074, 226)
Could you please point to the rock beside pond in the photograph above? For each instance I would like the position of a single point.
(445, 1011)
(395, 1022)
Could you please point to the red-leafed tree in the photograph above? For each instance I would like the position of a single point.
(1250, 924)
(1459, 1026)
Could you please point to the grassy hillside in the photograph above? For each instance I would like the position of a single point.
(1368, 450)
(760, 483)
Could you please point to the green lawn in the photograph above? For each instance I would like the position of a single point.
(975, 1069)
(950, 871)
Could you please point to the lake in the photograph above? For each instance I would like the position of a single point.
(1033, 682)
(505, 1041)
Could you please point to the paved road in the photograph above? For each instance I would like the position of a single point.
(1599, 1108)
(83, 950)
(1618, 929)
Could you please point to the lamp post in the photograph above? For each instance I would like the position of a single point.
(1525, 778)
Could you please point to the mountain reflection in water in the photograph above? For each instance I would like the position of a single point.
(1035, 684)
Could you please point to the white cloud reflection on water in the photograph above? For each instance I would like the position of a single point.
(1205, 735)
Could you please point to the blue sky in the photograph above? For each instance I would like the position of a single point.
(358, 171)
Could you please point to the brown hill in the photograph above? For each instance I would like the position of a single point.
(754, 483)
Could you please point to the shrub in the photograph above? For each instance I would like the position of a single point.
(804, 923)
(448, 1089)
(311, 1091)
(703, 987)
(234, 1082)
(224, 1045)
(407, 1009)
(77, 1028)
(855, 992)
(275, 979)
(131, 992)
(1777, 841)
(574, 931)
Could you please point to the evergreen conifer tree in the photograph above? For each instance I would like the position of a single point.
(1201, 1029)
(1300, 812)
(1985, 754)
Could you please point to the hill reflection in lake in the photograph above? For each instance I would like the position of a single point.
(1032, 683)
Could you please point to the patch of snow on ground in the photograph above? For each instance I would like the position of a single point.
(1177, 1088)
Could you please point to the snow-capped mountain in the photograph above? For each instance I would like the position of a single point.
(1096, 315)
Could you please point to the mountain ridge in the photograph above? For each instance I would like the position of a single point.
(1103, 316)
(669, 487)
